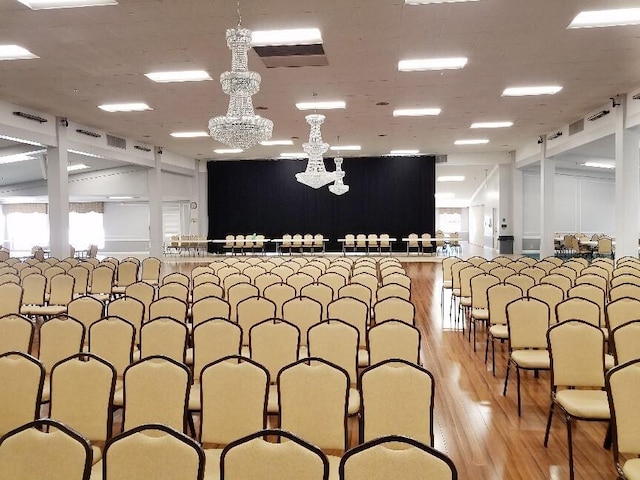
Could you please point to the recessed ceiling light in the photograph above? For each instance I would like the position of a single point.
(444, 195)
(431, 64)
(416, 112)
(346, 148)
(491, 124)
(45, 4)
(477, 141)
(18, 157)
(606, 18)
(20, 140)
(228, 150)
(404, 152)
(293, 155)
(77, 166)
(86, 154)
(320, 105)
(121, 197)
(125, 107)
(189, 134)
(270, 143)
(297, 36)
(184, 76)
(599, 165)
(525, 91)
(451, 178)
(15, 52)
(427, 2)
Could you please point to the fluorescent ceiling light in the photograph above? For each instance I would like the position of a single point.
(77, 166)
(297, 36)
(189, 134)
(271, 143)
(404, 152)
(427, 2)
(415, 112)
(320, 105)
(431, 64)
(444, 195)
(599, 165)
(451, 178)
(293, 155)
(228, 150)
(20, 140)
(15, 52)
(525, 91)
(125, 107)
(491, 124)
(45, 4)
(477, 141)
(86, 154)
(346, 148)
(184, 76)
(606, 18)
(18, 157)
(121, 197)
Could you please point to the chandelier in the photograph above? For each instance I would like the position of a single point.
(338, 187)
(240, 127)
(316, 175)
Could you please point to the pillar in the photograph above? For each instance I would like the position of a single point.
(58, 192)
(154, 184)
(547, 219)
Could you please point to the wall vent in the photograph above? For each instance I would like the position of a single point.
(576, 127)
(292, 55)
(116, 142)
(441, 158)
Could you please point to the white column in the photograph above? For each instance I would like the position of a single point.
(194, 227)
(505, 207)
(203, 202)
(154, 182)
(517, 212)
(547, 219)
(627, 190)
(58, 192)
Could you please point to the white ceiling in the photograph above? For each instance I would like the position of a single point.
(92, 56)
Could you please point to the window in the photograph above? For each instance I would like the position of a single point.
(450, 222)
(25, 230)
(86, 229)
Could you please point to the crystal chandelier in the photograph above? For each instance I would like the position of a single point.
(316, 175)
(240, 127)
(338, 187)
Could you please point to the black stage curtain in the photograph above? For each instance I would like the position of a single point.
(393, 195)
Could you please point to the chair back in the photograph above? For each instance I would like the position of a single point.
(10, 298)
(623, 388)
(303, 312)
(210, 307)
(630, 290)
(279, 293)
(337, 342)
(102, 280)
(393, 339)
(22, 379)
(498, 296)
(175, 290)
(273, 343)
(34, 288)
(251, 311)
(127, 273)
(87, 310)
(151, 270)
(164, 336)
(16, 333)
(527, 323)
(525, 282)
(176, 277)
(45, 449)
(394, 308)
(112, 338)
(621, 311)
(352, 311)
(334, 280)
(168, 307)
(212, 340)
(320, 292)
(60, 337)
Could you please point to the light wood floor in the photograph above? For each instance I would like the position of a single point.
(474, 424)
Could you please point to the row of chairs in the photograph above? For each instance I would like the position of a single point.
(245, 243)
(302, 243)
(187, 243)
(162, 453)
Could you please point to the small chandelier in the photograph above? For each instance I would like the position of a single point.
(316, 175)
(240, 127)
(338, 187)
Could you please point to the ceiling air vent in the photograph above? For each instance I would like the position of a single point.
(116, 142)
(441, 158)
(292, 55)
(576, 127)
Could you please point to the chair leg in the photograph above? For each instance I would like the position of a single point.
(569, 439)
(548, 430)
(519, 398)
(607, 438)
(506, 379)
(486, 350)
(493, 356)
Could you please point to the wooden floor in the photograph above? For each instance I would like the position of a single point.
(474, 424)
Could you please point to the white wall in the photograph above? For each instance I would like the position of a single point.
(126, 227)
(476, 227)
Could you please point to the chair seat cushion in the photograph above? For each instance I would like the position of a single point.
(480, 313)
(465, 301)
(354, 401)
(499, 331)
(212, 463)
(194, 397)
(96, 471)
(97, 454)
(334, 467)
(273, 407)
(609, 362)
(447, 284)
(584, 403)
(363, 358)
(189, 356)
(631, 469)
(533, 359)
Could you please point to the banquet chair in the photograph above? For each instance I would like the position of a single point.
(625, 341)
(11, 295)
(16, 333)
(393, 339)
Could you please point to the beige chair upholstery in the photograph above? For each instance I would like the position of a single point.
(155, 391)
(150, 271)
(176, 277)
(625, 278)
(342, 268)
(210, 307)
(16, 333)
(263, 280)
(334, 280)
(61, 293)
(549, 294)
(227, 270)
(82, 389)
(534, 272)
(279, 293)
(498, 296)
(156, 452)
(525, 282)
(131, 310)
(622, 311)
(251, 311)
(577, 361)
(205, 277)
(393, 339)
(527, 324)
(320, 292)
(356, 290)
(164, 336)
(175, 290)
(144, 292)
(397, 399)
(356, 313)
(337, 342)
(126, 274)
(206, 289)
(479, 304)
(394, 308)
(60, 337)
(10, 298)
(252, 457)
(101, 282)
(44, 449)
(630, 290)
(622, 385)
(464, 297)
(303, 312)
(369, 280)
(168, 307)
(393, 290)
(112, 338)
(34, 288)
(86, 309)
(625, 341)
(396, 457)
(22, 379)
(299, 280)
(349, 243)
